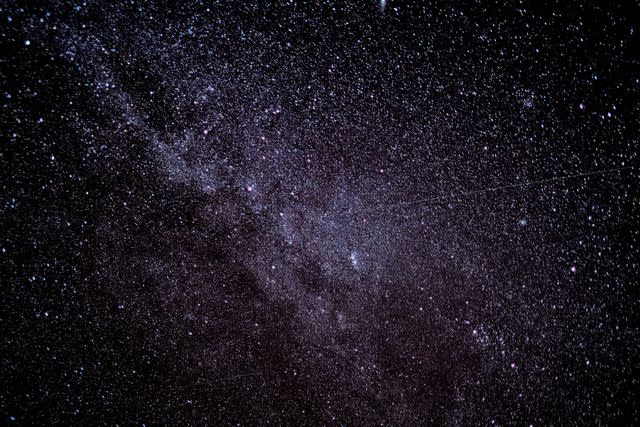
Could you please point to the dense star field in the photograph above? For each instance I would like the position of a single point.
(319, 213)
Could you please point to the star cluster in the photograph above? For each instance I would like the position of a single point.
(332, 213)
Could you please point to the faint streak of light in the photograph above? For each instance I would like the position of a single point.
(484, 190)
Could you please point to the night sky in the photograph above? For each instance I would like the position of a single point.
(319, 213)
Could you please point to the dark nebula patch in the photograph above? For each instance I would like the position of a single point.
(319, 213)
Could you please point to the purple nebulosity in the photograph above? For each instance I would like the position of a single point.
(323, 213)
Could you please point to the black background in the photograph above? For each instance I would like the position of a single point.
(319, 213)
